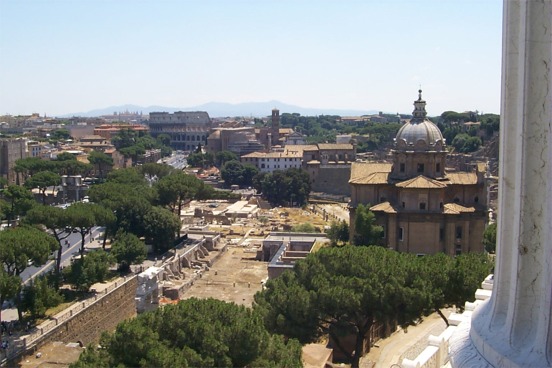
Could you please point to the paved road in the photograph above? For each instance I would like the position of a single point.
(401, 344)
(70, 250)
(178, 161)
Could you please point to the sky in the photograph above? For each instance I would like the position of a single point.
(59, 57)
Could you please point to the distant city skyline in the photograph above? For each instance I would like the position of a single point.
(61, 57)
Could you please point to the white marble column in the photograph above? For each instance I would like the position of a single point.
(513, 328)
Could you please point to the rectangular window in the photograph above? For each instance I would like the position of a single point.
(422, 205)
(403, 205)
(420, 168)
(438, 167)
(402, 167)
(441, 234)
(458, 232)
(401, 233)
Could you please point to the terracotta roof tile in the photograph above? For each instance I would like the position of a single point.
(335, 146)
(421, 182)
(360, 170)
(385, 207)
(456, 209)
(463, 178)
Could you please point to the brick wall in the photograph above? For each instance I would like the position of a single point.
(104, 315)
(333, 180)
(84, 321)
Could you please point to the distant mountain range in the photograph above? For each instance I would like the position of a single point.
(220, 109)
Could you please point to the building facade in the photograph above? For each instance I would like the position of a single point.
(423, 208)
(329, 166)
(11, 150)
(187, 130)
(272, 161)
(108, 131)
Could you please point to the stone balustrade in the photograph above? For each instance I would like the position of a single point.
(24, 343)
(436, 354)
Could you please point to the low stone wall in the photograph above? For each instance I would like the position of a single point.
(103, 314)
(83, 321)
(436, 354)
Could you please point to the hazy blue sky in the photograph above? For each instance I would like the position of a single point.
(59, 57)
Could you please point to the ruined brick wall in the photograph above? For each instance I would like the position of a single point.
(333, 180)
(104, 315)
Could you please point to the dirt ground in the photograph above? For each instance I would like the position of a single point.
(52, 355)
(235, 277)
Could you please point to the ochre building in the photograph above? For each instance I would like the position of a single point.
(423, 208)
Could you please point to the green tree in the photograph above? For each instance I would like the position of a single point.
(195, 333)
(101, 162)
(134, 144)
(305, 227)
(67, 164)
(161, 227)
(55, 220)
(84, 216)
(367, 232)
(489, 238)
(38, 296)
(128, 202)
(20, 247)
(343, 292)
(92, 268)
(338, 233)
(490, 123)
(60, 134)
(19, 200)
(223, 157)
(469, 270)
(436, 270)
(128, 175)
(464, 143)
(298, 186)
(43, 180)
(291, 186)
(31, 165)
(10, 286)
(232, 172)
(455, 117)
(128, 249)
(153, 169)
(177, 188)
(133, 152)
(65, 156)
(200, 159)
(125, 138)
(472, 144)
(164, 139)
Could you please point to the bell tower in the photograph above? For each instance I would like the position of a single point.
(275, 126)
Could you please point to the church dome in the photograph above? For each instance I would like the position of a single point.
(419, 134)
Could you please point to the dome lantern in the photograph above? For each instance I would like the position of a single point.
(419, 134)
